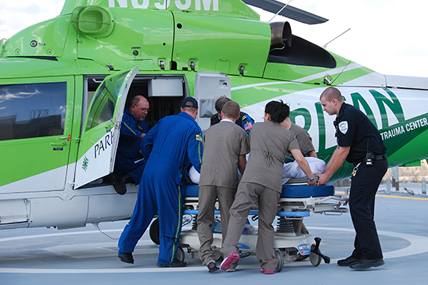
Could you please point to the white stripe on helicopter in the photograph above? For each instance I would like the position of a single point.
(303, 79)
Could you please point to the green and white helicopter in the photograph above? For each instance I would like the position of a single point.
(64, 84)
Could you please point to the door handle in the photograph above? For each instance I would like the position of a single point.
(58, 144)
(110, 125)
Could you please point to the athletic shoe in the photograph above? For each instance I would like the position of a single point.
(267, 271)
(228, 262)
(212, 267)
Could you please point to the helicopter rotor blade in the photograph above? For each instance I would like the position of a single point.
(289, 11)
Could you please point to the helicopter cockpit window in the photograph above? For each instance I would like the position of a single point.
(102, 109)
(32, 110)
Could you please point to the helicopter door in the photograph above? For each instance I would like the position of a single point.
(209, 86)
(36, 116)
(101, 130)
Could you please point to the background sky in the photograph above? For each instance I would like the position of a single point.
(386, 35)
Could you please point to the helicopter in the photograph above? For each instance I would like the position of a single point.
(64, 84)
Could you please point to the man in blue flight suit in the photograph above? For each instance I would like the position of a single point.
(170, 146)
(129, 165)
(359, 142)
(244, 120)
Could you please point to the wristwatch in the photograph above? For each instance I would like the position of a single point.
(312, 179)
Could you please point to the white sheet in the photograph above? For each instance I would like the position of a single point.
(293, 170)
(194, 175)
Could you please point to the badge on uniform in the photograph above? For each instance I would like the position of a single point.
(199, 138)
(343, 127)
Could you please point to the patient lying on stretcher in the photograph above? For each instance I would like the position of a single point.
(291, 170)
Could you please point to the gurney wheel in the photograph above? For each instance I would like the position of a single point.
(180, 254)
(154, 232)
(279, 256)
(314, 258)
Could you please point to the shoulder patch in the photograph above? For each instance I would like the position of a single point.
(199, 138)
(248, 126)
(343, 127)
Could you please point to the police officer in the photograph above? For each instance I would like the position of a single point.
(171, 145)
(129, 165)
(244, 120)
(359, 143)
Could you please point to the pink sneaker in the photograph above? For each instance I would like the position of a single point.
(267, 271)
(228, 261)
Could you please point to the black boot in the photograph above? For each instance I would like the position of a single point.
(117, 182)
(126, 257)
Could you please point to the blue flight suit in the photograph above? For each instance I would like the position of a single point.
(171, 146)
(128, 158)
(246, 122)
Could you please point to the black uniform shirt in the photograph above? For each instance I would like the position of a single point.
(354, 129)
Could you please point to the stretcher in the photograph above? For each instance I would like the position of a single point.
(297, 201)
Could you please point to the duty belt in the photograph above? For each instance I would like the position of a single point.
(376, 157)
(379, 157)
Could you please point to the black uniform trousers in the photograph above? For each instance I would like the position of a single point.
(364, 186)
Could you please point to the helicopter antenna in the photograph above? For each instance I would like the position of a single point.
(98, 228)
(324, 46)
(280, 10)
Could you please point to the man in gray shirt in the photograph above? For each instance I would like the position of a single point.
(225, 147)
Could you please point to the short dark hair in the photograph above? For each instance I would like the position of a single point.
(220, 103)
(332, 93)
(278, 111)
(231, 109)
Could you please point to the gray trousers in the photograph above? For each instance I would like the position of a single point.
(207, 199)
(248, 194)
